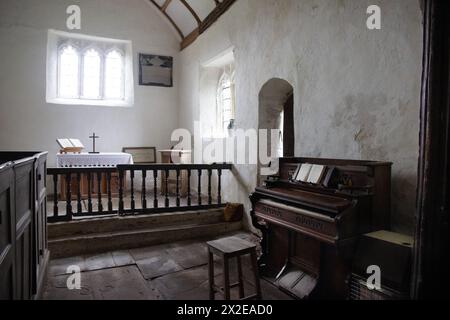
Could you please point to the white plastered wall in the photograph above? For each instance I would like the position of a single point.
(357, 91)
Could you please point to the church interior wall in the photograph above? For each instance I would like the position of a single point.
(356, 91)
(29, 123)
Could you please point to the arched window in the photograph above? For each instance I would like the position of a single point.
(91, 74)
(69, 68)
(114, 88)
(226, 102)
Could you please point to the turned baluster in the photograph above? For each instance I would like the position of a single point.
(133, 203)
(108, 187)
(144, 191)
(209, 187)
(199, 187)
(178, 188)
(167, 188)
(99, 192)
(79, 206)
(55, 194)
(219, 186)
(121, 204)
(189, 200)
(155, 188)
(89, 178)
(69, 196)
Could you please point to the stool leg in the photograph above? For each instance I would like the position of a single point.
(240, 278)
(212, 293)
(256, 274)
(226, 278)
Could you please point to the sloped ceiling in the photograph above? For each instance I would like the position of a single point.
(190, 18)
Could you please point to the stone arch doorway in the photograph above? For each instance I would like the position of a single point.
(276, 112)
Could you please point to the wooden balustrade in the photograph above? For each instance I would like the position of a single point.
(104, 182)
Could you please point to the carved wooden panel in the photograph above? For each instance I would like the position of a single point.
(7, 235)
(297, 222)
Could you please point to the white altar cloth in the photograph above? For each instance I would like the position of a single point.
(93, 160)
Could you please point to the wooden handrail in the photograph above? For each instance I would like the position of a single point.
(100, 183)
(74, 170)
(174, 167)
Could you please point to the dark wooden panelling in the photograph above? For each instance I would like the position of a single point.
(23, 237)
(23, 184)
(40, 255)
(7, 235)
(5, 221)
(23, 266)
(7, 281)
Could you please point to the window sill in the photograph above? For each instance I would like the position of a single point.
(98, 103)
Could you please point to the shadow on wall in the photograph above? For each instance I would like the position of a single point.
(241, 181)
(244, 190)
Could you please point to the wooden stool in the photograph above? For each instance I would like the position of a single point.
(228, 248)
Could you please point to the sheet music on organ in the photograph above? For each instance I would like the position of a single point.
(316, 174)
(303, 172)
(310, 173)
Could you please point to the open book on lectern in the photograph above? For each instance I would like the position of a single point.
(70, 145)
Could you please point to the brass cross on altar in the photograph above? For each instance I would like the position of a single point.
(93, 137)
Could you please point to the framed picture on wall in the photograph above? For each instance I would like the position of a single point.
(155, 70)
(142, 155)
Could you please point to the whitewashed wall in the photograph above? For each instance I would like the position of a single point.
(27, 122)
(356, 92)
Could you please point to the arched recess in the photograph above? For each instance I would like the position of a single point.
(276, 112)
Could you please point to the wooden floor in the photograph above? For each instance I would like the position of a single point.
(176, 271)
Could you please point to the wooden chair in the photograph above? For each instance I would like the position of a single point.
(228, 248)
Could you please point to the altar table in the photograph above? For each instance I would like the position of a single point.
(93, 160)
(87, 160)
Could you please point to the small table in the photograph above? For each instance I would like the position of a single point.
(87, 160)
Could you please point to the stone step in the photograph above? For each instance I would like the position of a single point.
(121, 240)
(133, 223)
